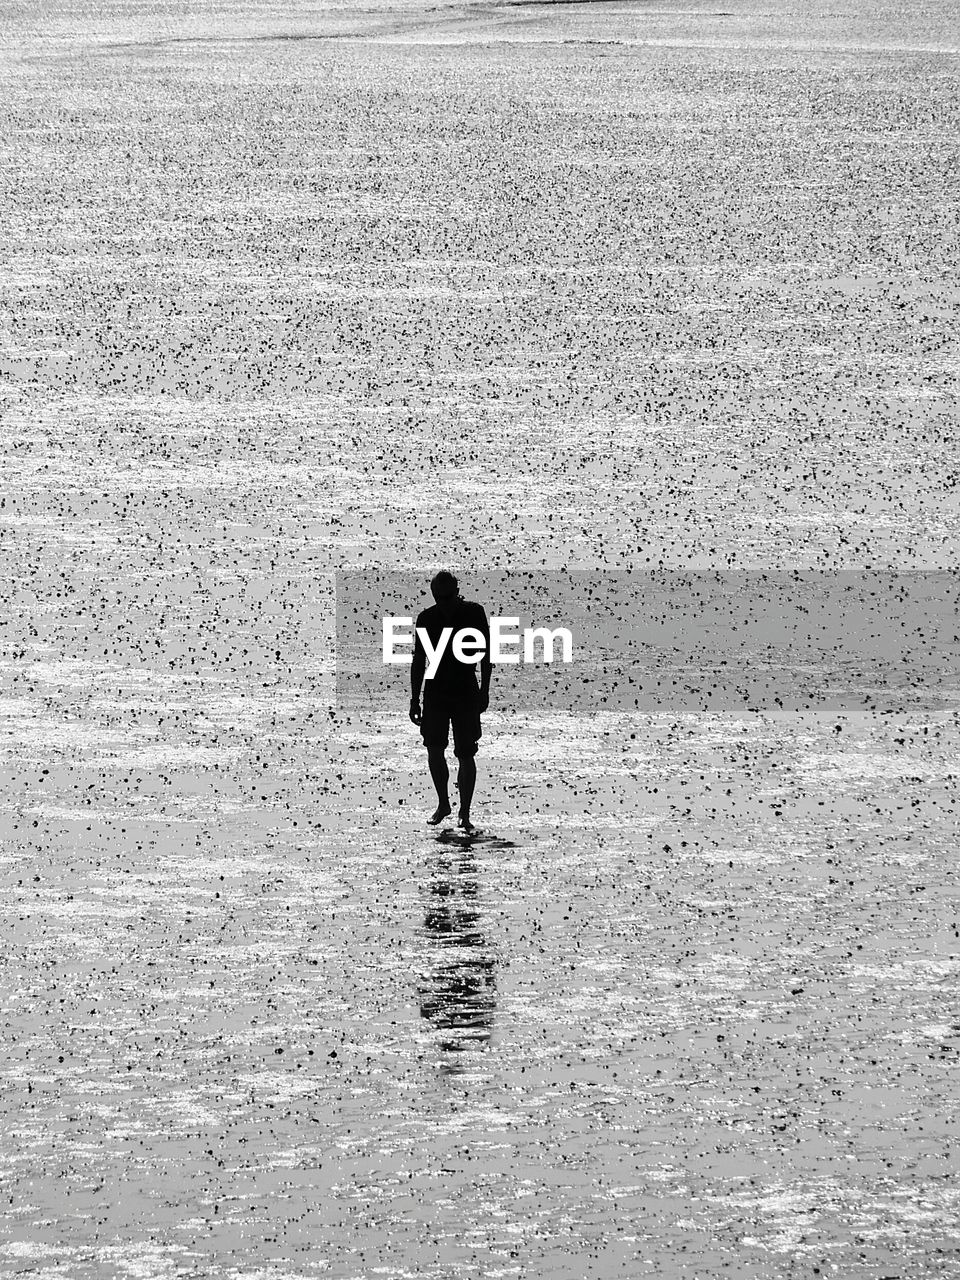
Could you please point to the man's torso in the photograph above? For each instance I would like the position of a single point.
(452, 678)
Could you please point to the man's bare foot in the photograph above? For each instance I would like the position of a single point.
(443, 811)
(464, 821)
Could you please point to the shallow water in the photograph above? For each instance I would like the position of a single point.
(517, 286)
(678, 1009)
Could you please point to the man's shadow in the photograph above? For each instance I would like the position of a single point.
(466, 840)
(458, 991)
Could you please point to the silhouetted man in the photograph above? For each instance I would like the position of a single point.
(451, 696)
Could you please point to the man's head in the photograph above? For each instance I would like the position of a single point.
(444, 587)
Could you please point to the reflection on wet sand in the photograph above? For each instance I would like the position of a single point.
(458, 993)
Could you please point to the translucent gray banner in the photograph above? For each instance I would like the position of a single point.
(669, 640)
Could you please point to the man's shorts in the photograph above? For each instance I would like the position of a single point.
(441, 709)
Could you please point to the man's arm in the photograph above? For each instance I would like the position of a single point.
(486, 665)
(417, 670)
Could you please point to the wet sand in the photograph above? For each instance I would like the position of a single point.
(527, 286)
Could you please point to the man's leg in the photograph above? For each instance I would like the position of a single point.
(441, 777)
(466, 781)
(466, 735)
(435, 731)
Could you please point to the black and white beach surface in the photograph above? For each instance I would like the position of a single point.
(287, 290)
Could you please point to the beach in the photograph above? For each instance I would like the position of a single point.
(286, 293)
